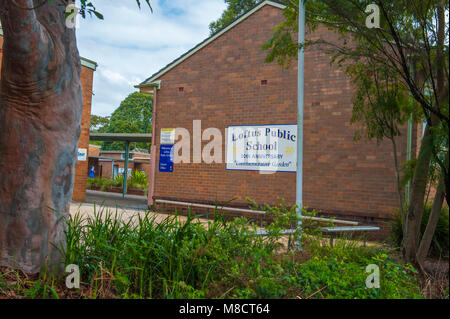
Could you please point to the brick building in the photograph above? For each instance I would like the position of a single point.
(224, 81)
(112, 163)
(81, 170)
(87, 75)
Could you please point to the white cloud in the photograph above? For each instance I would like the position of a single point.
(131, 44)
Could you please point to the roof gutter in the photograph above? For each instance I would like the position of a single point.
(89, 63)
(154, 84)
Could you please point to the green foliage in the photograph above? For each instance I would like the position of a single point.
(334, 275)
(383, 62)
(99, 123)
(381, 102)
(283, 46)
(13, 284)
(134, 115)
(440, 242)
(87, 7)
(399, 68)
(146, 258)
(137, 180)
(40, 290)
(234, 9)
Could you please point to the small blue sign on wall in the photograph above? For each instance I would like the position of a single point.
(166, 156)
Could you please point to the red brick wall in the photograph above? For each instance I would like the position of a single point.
(94, 150)
(81, 169)
(107, 166)
(106, 169)
(222, 87)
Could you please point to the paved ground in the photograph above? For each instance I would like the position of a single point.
(127, 208)
(116, 199)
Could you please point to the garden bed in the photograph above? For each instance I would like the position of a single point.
(170, 258)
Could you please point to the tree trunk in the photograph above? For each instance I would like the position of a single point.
(420, 179)
(40, 115)
(433, 219)
(416, 202)
(399, 187)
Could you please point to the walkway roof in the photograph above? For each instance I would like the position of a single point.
(121, 137)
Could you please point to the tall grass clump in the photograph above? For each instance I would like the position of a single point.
(440, 242)
(165, 259)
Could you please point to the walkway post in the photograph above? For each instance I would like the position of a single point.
(125, 173)
(300, 99)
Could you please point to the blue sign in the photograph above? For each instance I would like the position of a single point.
(166, 155)
(92, 172)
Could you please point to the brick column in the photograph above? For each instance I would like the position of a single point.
(81, 170)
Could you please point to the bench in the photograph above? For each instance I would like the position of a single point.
(331, 230)
(262, 232)
(335, 230)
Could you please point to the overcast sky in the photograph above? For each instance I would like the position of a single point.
(130, 44)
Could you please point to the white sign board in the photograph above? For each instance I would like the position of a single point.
(167, 136)
(270, 148)
(82, 154)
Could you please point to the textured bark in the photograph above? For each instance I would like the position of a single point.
(40, 114)
(433, 220)
(417, 197)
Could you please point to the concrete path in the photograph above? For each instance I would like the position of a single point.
(116, 199)
(130, 207)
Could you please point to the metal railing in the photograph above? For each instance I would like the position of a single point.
(260, 212)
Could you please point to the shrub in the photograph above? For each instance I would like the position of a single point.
(97, 182)
(440, 242)
(340, 272)
(117, 181)
(138, 180)
(139, 177)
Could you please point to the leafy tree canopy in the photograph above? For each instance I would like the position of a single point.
(99, 123)
(234, 9)
(134, 115)
(405, 54)
(87, 7)
(409, 48)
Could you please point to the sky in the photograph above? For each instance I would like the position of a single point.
(130, 44)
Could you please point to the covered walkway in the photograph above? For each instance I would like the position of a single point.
(122, 137)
